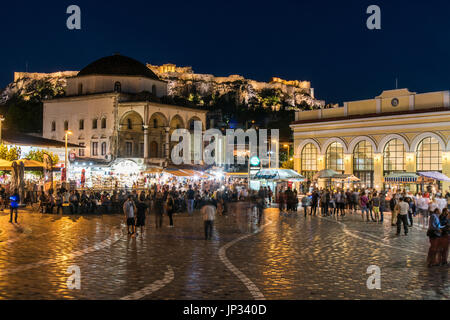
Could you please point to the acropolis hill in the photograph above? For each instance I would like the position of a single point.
(183, 82)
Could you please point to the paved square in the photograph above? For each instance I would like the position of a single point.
(286, 257)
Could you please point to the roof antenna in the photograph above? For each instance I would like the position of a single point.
(396, 83)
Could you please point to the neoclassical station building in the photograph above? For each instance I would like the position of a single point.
(108, 108)
(397, 132)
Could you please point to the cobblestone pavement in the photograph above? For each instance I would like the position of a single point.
(286, 257)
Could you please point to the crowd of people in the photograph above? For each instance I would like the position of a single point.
(432, 211)
(213, 198)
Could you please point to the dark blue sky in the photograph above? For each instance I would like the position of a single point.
(326, 42)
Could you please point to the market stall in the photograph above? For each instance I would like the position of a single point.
(401, 181)
(275, 179)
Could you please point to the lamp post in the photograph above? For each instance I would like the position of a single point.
(68, 132)
(1, 128)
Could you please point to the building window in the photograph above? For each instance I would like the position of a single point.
(363, 157)
(80, 88)
(104, 123)
(309, 161)
(155, 123)
(81, 150)
(154, 90)
(103, 148)
(95, 148)
(129, 148)
(94, 124)
(129, 124)
(335, 157)
(66, 125)
(81, 124)
(394, 156)
(429, 155)
(53, 126)
(363, 163)
(117, 87)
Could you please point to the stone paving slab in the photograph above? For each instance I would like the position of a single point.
(291, 258)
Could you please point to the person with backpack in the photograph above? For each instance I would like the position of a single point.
(129, 209)
(14, 205)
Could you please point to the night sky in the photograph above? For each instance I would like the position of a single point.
(326, 42)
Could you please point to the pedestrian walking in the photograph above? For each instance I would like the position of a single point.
(142, 208)
(402, 218)
(209, 215)
(129, 209)
(159, 209)
(434, 233)
(14, 205)
(170, 209)
(444, 239)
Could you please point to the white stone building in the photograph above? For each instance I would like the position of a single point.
(108, 108)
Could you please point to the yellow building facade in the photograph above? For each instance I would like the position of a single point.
(397, 132)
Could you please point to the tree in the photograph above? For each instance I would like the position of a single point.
(289, 164)
(38, 155)
(10, 153)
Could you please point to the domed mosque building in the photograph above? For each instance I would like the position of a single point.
(112, 108)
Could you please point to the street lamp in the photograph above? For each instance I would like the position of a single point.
(68, 132)
(1, 128)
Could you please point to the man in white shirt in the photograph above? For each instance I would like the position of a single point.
(441, 203)
(422, 206)
(209, 215)
(403, 208)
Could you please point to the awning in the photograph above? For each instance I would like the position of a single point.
(278, 175)
(402, 177)
(236, 174)
(434, 175)
(5, 164)
(325, 174)
(177, 173)
(346, 177)
(153, 170)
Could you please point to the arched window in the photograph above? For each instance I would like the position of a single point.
(53, 126)
(103, 148)
(129, 124)
(335, 157)
(104, 123)
(154, 90)
(309, 161)
(155, 123)
(394, 156)
(363, 163)
(94, 124)
(429, 155)
(81, 124)
(80, 88)
(66, 125)
(117, 87)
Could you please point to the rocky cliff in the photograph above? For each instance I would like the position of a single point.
(200, 89)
